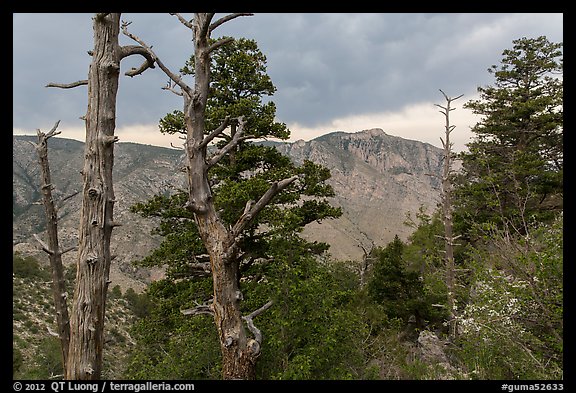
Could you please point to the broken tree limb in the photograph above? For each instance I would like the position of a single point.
(130, 50)
(215, 133)
(206, 309)
(45, 246)
(186, 23)
(68, 85)
(250, 320)
(238, 136)
(177, 79)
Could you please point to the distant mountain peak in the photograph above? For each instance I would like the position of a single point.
(371, 132)
(358, 135)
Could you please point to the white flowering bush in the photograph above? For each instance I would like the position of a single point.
(511, 327)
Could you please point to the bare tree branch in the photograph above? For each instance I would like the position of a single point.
(257, 342)
(215, 133)
(206, 308)
(219, 43)
(69, 196)
(170, 87)
(259, 311)
(227, 18)
(52, 132)
(71, 248)
(45, 247)
(249, 321)
(247, 217)
(176, 78)
(238, 136)
(68, 85)
(248, 206)
(448, 98)
(185, 22)
(137, 50)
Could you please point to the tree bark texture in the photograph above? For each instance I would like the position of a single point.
(96, 221)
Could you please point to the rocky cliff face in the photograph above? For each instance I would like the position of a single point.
(378, 179)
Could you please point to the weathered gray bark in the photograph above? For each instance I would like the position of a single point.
(239, 351)
(53, 248)
(96, 218)
(447, 216)
(366, 262)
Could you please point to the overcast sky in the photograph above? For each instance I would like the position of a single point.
(333, 72)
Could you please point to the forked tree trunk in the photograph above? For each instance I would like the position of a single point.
(238, 357)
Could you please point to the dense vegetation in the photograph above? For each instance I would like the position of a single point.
(35, 348)
(327, 323)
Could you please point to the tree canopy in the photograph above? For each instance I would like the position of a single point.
(514, 167)
(240, 177)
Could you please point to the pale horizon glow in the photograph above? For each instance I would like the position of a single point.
(421, 122)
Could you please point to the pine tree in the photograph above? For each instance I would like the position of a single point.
(239, 172)
(513, 169)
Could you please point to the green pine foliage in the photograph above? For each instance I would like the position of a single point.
(310, 332)
(172, 345)
(514, 166)
(398, 289)
(269, 246)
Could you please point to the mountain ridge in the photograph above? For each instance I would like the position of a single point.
(378, 178)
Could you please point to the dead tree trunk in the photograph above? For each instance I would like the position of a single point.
(447, 216)
(53, 248)
(367, 260)
(96, 218)
(239, 351)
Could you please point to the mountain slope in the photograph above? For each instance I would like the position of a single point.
(378, 179)
(140, 171)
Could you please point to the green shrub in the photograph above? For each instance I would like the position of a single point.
(16, 360)
(47, 361)
(29, 267)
